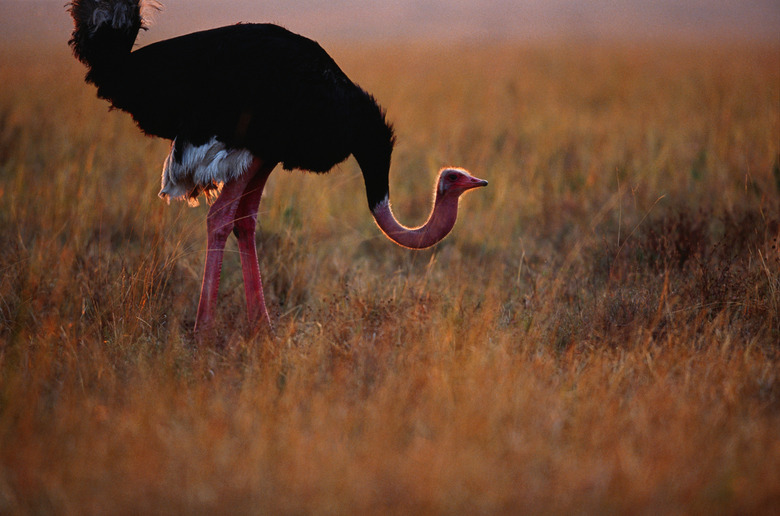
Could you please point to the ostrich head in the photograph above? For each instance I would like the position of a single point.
(453, 182)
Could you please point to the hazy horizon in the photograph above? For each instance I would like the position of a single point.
(455, 20)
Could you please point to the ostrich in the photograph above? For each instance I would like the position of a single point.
(236, 101)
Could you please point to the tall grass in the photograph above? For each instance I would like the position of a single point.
(598, 335)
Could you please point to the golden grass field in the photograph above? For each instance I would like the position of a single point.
(599, 334)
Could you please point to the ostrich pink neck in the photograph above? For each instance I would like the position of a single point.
(438, 225)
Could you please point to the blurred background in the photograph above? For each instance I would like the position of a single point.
(28, 21)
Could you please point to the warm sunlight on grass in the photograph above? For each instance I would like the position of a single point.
(598, 335)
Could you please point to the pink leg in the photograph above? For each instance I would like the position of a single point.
(219, 222)
(244, 229)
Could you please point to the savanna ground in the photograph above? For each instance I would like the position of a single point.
(598, 335)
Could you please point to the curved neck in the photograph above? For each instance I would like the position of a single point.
(438, 225)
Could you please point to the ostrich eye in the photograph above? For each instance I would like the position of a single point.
(452, 177)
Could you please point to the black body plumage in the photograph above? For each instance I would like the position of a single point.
(257, 87)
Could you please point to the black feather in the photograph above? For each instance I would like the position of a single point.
(258, 87)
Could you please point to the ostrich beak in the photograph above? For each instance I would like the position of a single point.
(474, 182)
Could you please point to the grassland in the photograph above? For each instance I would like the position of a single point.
(598, 335)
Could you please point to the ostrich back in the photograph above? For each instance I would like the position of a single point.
(253, 86)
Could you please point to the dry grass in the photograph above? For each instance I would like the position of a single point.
(599, 334)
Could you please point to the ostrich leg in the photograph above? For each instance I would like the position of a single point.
(219, 222)
(244, 229)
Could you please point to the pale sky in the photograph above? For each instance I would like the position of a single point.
(462, 20)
